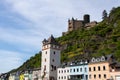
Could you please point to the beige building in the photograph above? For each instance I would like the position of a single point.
(99, 68)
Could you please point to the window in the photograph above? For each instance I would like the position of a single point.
(94, 68)
(98, 68)
(64, 71)
(99, 76)
(54, 67)
(59, 77)
(94, 76)
(74, 70)
(89, 68)
(64, 77)
(59, 71)
(104, 75)
(54, 52)
(90, 76)
(68, 71)
(46, 52)
(85, 69)
(81, 69)
(45, 59)
(77, 70)
(44, 67)
(103, 67)
(53, 60)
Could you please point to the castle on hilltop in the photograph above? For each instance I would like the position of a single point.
(75, 24)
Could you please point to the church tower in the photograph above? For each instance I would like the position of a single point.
(50, 59)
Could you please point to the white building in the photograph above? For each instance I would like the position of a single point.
(36, 74)
(50, 59)
(63, 73)
(73, 71)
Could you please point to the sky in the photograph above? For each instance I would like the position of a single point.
(25, 23)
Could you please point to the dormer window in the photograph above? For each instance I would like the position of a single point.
(93, 60)
(98, 60)
(102, 58)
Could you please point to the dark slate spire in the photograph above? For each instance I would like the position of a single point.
(51, 40)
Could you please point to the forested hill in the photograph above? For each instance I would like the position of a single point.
(102, 39)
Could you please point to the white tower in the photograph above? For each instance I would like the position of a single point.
(50, 59)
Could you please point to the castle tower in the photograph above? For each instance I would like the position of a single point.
(71, 24)
(50, 59)
(86, 18)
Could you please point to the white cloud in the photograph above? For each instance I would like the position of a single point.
(9, 60)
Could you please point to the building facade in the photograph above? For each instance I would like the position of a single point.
(73, 71)
(36, 74)
(50, 59)
(103, 68)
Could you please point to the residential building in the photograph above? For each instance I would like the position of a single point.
(73, 71)
(99, 68)
(115, 71)
(28, 75)
(36, 74)
(22, 76)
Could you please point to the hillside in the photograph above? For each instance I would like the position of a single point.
(100, 40)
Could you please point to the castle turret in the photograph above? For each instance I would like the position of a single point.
(50, 59)
(86, 18)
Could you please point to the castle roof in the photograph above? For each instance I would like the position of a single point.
(51, 40)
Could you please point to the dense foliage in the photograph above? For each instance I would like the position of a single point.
(100, 40)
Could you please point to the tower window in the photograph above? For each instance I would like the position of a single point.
(54, 67)
(45, 59)
(44, 67)
(54, 52)
(46, 52)
(53, 60)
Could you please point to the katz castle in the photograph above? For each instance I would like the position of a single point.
(75, 24)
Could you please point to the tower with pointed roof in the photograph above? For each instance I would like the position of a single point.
(50, 59)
